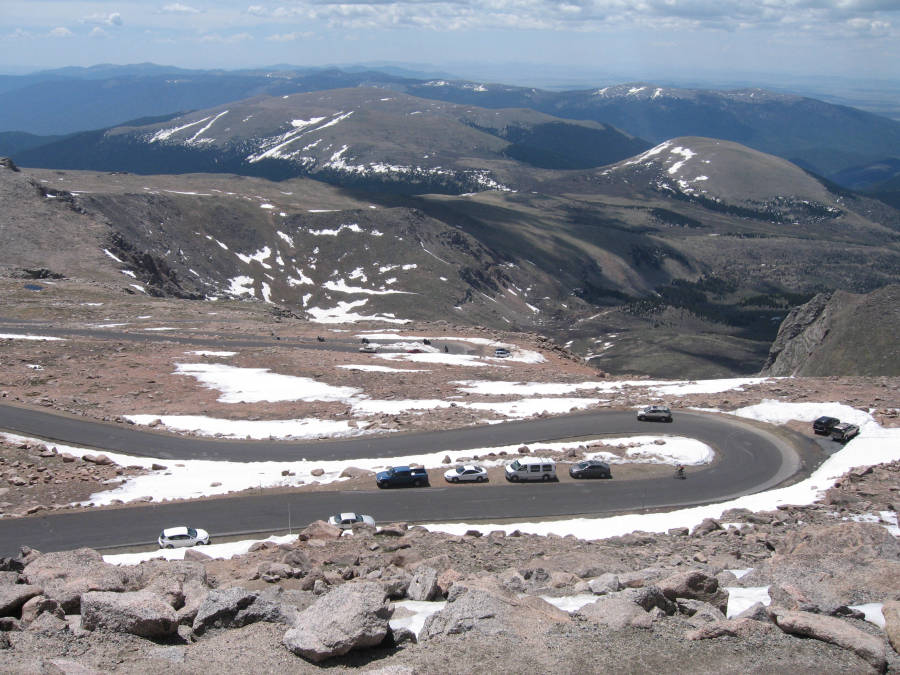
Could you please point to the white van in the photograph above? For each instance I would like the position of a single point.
(531, 468)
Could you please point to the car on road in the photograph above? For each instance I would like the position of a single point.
(368, 349)
(179, 537)
(466, 473)
(824, 425)
(345, 521)
(844, 432)
(590, 468)
(401, 476)
(655, 413)
(501, 353)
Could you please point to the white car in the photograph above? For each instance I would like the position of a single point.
(178, 537)
(468, 472)
(347, 520)
(368, 349)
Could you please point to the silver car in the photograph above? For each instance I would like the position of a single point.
(178, 537)
(345, 521)
(655, 413)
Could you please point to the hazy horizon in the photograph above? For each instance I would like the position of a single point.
(654, 38)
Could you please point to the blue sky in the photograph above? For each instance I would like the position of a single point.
(621, 38)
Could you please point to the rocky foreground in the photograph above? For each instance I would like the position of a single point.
(653, 601)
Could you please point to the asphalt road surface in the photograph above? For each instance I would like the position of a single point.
(751, 458)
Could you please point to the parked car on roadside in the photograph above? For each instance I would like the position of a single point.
(347, 520)
(466, 473)
(530, 468)
(590, 468)
(655, 413)
(368, 349)
(844, 432)
(501, 353)
(402, 476)
(179, 537)
(824, 425)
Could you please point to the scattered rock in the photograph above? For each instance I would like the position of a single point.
(605, 583)
(694, 585)
(38, 605)
(13, 596)
(891, 613)
(485, 608)
(741, 628)
(424, 584)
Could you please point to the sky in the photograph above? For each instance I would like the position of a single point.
(617, 38)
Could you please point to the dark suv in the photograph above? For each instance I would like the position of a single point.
(824, 425)
(402, 476)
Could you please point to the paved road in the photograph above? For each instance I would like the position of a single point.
(751, 458)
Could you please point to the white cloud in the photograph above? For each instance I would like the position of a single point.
(60, 32)
(98, 32)
(287, 37)
(869, 27)
(215, 38)
(19, 34)
(178, 8)
(113, 19)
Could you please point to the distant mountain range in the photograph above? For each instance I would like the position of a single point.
(824, 138)
(363, 137)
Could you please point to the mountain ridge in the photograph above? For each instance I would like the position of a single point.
(823, 137)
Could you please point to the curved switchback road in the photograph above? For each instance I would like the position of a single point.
(751, 458)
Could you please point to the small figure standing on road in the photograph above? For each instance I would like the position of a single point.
(679, 471)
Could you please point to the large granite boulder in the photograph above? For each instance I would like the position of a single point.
(320, 529)
(138, 613)
(66, 575)
(834, 631)
(236, 607)
(615, 612)
(351, 616)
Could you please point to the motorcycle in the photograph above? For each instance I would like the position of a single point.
(679, 473)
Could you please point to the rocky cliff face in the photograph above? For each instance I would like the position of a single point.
(839, 334)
